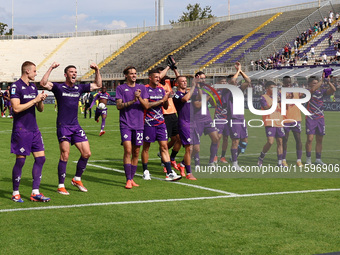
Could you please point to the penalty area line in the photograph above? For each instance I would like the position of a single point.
(165, 200)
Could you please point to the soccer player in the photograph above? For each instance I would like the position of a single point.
(237, 124)
(26, 137)
(272, 123)
(182, 102)
(131, 100)
(1, 103)
(170, 116)
(103, 97)
(315, 123)
(203, 123)
(69, 131)
(293, 123)
(221, 115)
(155, 128)
(7, 103)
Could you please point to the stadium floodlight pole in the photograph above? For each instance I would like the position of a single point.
(76, 18)
(160, 13)
(12, 19)
(228, 9)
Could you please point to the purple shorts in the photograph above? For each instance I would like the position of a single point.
(101, 111)
(157, 133)
(72, 134)
(7, 103)
(315, 126)
(277, 132)
(238, 131)
(291, 127)
(195, 136)
(223, 129)
(184, 133)
(205, 127)
(135, 136)
(23, 143)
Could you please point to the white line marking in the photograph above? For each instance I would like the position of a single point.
(179, 183)
(165, 200)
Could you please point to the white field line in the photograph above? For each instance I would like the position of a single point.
(165, 200)
(156, 178)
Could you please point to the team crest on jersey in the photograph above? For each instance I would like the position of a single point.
(125, 136)
(147, 138)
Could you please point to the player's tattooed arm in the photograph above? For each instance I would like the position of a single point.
(44, 81)
(120, 105)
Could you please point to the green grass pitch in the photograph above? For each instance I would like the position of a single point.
(177, 219)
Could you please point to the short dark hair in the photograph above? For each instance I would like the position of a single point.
(199, 73)
(312, 78)
(269, 83)
(25, 65)
(152, 71)
(127, 69)
(181, 76)
(68, 67)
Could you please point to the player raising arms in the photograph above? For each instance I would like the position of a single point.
(155, 128)
(26, 137)
(7, 102)
(315, 123)
(182, 102)
(69, 131)
(293, 122)
(101, 109)
(131, 100)
(273, 125)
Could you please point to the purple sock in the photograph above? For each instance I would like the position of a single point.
(196, 158)
(213, 152)
(188, 169)
(81, 166)
(279, 157)
(168, 167)
(127, 169)
(299, 154)
(318, 155)
(308, 154)
(284, 154)
(37, 170)
(103, 123)
(133, 171)
(233, 155)
(16, 173)
(62, 171)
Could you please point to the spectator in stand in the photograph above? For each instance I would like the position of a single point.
(325, 22)
(324, 58)
(312, 52)
(337, 55)
(331, 16)
(321, 25)
(338, 26)
(330, 22)
(337, 16)
(310, 32)
(295, 45)
(330, 40)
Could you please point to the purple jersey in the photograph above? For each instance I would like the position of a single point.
(25, 120)
(315, 104)
(229, 99)
(6, 94)
(198, 116)
(101, 95)
(154, 116)
(131, 117)
(221, 111)
(183, 108)
(67, 100)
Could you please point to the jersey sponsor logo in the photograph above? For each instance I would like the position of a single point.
(70, 94)
(29, 96)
